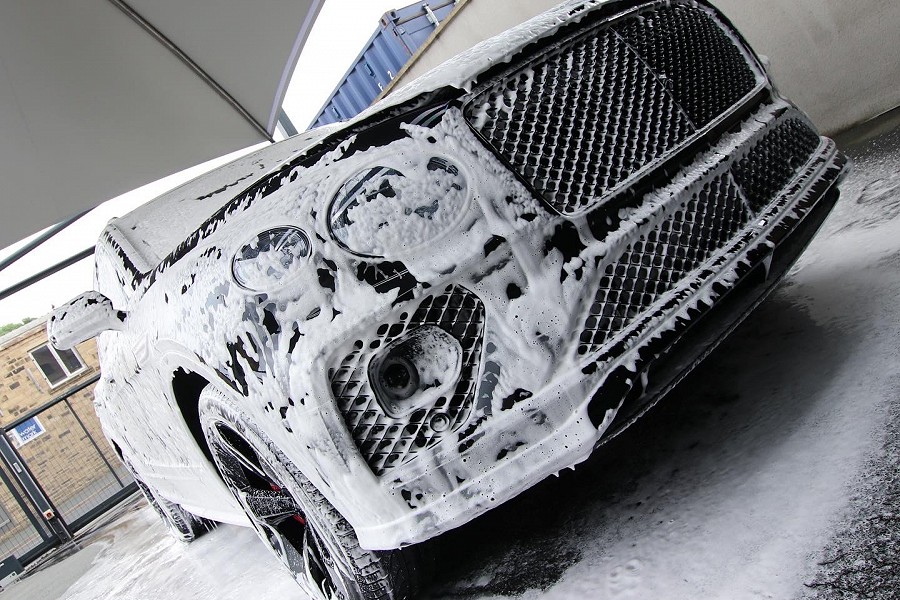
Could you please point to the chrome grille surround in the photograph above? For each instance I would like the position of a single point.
(387, 442)
(599, 108)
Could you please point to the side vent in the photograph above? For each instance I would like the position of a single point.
(186, 388)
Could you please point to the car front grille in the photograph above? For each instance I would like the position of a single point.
(599, 108)
(385, 441)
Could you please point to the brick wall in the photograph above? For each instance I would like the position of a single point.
(69, 458)
(22, 385)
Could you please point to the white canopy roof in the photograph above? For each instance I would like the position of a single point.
(98, 97)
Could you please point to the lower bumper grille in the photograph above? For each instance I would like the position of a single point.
(774, 161)
(653, 265)
(666, 254)
(387, 442)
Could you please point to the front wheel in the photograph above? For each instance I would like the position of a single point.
(293, 519)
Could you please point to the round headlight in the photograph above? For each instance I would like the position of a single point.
(381, 211)
(271, 258)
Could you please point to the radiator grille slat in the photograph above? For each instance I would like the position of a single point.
(696, 59)
(576, 127)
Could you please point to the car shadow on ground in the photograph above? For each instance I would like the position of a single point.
(756, 388)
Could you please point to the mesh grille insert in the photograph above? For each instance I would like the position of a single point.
(774, 161)
(387, 442)
(580, 121)
(699, 62)
(656, 262)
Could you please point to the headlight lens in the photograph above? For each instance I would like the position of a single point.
(271, 258)
(382, 211)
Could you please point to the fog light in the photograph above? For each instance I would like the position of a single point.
(414, 371)
(399, 377)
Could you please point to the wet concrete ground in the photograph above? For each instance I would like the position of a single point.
(862, 560)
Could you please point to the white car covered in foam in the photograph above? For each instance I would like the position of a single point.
(372, 333)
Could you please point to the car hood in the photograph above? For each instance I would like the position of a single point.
(158, 232)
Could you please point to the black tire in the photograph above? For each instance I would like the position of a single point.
(316, 544)
(181, 524)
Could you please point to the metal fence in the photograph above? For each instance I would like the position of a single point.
(57, 482)
(66, 474)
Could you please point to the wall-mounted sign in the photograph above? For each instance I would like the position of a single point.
(27, 431)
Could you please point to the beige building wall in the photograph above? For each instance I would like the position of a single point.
(837, 59)
(22, 385)
(63, 459)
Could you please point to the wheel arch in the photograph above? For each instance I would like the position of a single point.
(187, 385)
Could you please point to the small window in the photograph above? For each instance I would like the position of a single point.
(57, 365)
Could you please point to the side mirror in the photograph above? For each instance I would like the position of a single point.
(80, 319)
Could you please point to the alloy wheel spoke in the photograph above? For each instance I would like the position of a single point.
(298, 545)
(284, 549)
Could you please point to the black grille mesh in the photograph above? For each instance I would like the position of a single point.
(387, 442)
(774, 160)
(576, 126)
(580, 120)
(660, 259)
(698, 61)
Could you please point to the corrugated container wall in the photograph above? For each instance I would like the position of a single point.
(400, 33)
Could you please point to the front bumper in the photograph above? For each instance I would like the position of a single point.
(603, 390)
